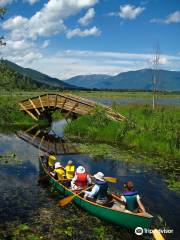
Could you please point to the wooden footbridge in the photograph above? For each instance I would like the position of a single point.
(70, 105)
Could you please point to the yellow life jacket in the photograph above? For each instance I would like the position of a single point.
(70, 171)
(51, 160)
(60, 173)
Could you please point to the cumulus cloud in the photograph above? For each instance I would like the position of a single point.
(128, 11)
(48, 21)
(171, 18)
(87, 18)
(94, 31)
(23, 33)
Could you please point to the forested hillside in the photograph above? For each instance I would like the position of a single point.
(10, 79)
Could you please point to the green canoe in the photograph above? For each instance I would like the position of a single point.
(128, 220)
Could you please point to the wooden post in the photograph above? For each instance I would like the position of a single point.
(63, 104)
(55, 105)
(34, 107)
(42, 139)
(28, 112)
(41, 103)
(75, 105)
(31, 128)
(37, 133)
(48, 100)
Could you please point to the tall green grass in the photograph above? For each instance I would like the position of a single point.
(155, 132)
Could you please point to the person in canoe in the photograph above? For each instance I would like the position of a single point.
(70, 169)
(99, 191)
(59, 171)
(130, 200)
(81, 179)
(51, 161)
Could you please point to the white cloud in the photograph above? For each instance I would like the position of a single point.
(171, 18)
(130, 12)
(15, 22)
(87, 18)
(94, 31)
(46, 22)
(19, 45)
(68, 63)
(3, 3)
(32, 56)
(31, 2)
(46, 44)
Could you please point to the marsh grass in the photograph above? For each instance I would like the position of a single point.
(154, 132)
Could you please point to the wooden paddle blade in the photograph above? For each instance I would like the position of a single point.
(157, 235)
(66, 200)
(111, 179)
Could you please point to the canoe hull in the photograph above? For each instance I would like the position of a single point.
(116, 217)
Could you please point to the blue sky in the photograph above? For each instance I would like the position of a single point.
(64, 38)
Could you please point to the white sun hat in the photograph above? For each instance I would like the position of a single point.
(80, 169)
(57, 165)
(99, 176)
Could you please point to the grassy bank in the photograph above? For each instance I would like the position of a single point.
(154, 132)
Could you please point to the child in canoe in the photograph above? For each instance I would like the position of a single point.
(130, 200)
(51, 161)
(59, 171)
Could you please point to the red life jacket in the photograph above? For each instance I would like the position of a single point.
(81, 179)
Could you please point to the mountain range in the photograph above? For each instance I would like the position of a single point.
(15, 74)
(131, 80)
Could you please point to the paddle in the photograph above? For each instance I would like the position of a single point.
(157, 235)
(68, 199)
(109, 179)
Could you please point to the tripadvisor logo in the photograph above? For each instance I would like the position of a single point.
(139, 231)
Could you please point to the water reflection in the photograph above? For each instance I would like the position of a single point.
(47, 140)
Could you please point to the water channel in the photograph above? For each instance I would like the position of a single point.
(23, 200)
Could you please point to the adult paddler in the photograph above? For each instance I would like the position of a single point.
(81, 179)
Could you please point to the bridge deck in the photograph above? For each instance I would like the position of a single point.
(65, 102)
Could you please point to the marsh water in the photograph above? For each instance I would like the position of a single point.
(125, 100)
(24, 201)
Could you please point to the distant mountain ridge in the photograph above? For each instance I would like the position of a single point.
(34, 77)
(26, 78)
(132, 80)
